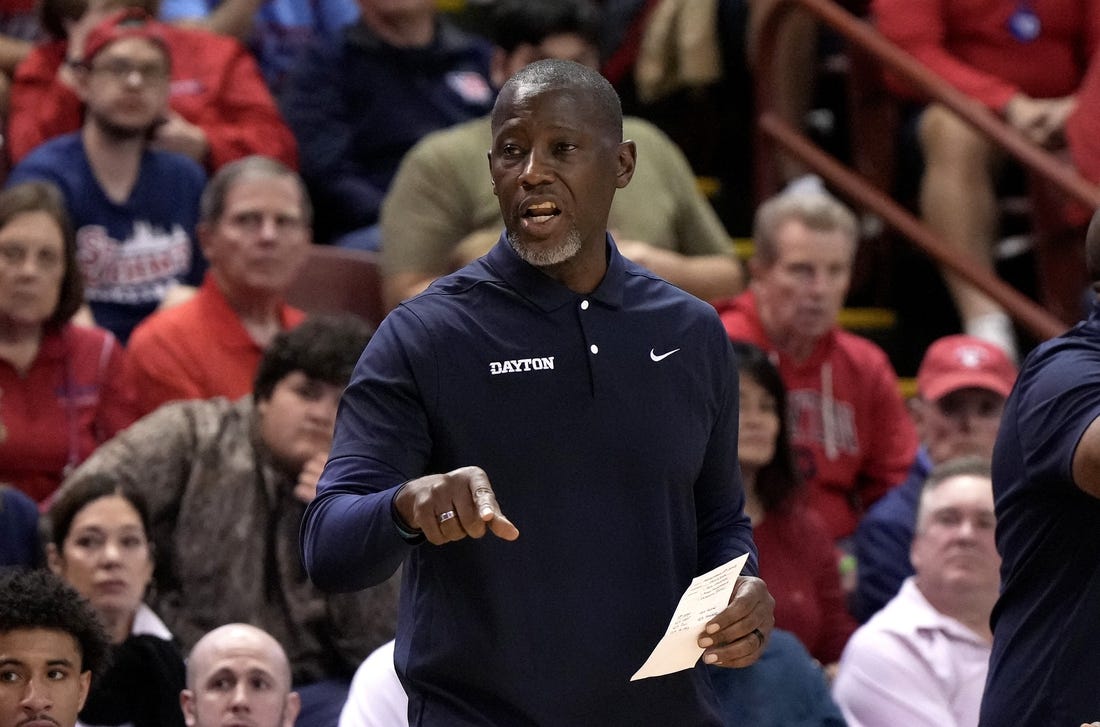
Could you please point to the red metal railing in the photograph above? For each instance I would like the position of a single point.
(773, 131)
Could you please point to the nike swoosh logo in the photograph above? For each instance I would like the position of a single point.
(661, 357)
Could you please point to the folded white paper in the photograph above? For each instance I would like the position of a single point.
(707, 595)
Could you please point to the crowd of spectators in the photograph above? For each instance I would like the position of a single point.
(165, 414)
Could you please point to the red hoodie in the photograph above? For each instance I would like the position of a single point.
(215, 85)
(852, 435)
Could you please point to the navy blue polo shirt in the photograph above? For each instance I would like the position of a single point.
(1046, 634)
(356, 107)
(883, 539)
(607, 424)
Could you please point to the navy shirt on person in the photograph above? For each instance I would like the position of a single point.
(358, 105)
(18, 528)
(133, 252)
(1046, 634)
(882, 540)
(607, 424)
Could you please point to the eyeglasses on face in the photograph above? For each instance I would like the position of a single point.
(123, 71)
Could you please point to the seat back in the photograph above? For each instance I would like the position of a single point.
(339, 280)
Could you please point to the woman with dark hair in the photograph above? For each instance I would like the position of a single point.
(797, 557)
(99, 544)
(62, 388)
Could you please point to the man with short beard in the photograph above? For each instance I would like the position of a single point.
(660, 220)
(134, 208)
(597, 401)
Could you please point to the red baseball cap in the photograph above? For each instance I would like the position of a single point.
(128, 23)
(962, 362)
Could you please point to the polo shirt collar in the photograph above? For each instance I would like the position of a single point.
(219, 313)
(547, 293)
(920, 615)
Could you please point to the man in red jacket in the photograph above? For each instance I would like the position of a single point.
(852, 435)
(219, 107)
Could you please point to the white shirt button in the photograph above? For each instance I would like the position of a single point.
(584, 305)
(594, 348)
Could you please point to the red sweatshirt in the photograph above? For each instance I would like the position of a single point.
(216, 85)
(968, 43)
(852, 435)
(799, 564)
(74, 397)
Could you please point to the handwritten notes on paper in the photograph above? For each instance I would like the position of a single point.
(707, 595)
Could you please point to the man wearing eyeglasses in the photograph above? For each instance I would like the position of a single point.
(219, 108)
(134, 207)
(254, 228)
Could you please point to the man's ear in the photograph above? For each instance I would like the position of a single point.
(80, 78)
(914, 553)
(628, 160)
(293, 707)
(756, 268)
(492, 182)
(85, 685)
(203, 232)
(187, 704)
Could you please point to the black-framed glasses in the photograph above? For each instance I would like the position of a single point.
(122, 71)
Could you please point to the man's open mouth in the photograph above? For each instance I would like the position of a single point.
(541, 212)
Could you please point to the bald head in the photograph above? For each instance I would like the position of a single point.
(238, 639)
(238, 670)
(559, 76)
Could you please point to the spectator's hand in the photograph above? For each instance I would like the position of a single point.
(178, 134)
(737, 635)
(1042, 121)
(306, 489)
(177, 294)
(83, 317)
(453, 506)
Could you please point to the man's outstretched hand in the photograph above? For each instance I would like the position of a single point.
(452, 506)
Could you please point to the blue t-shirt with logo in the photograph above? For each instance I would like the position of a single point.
(132, 252)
